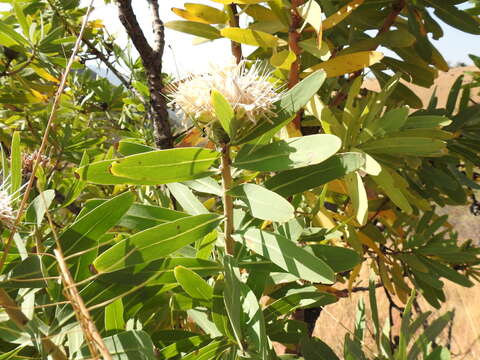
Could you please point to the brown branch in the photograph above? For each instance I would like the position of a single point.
(390, 20)
(152, 62)
(234, 22)
(293, 39)
(227, 199)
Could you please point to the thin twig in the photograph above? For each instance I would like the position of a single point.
(235, 22)
(227, 199)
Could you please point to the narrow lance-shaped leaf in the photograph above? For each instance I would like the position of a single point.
(156, 243)
(287, 255)
(165, 166)
(295, 181)
(192, 283)
(223, 111)
(287, 154)
(260, 202)
(290, 103)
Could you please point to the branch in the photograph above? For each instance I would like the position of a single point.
(234, 22)
(227, 199)
(293, 39)
(152, 62)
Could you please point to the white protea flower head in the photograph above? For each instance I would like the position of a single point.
(7, 215)
(248, 90)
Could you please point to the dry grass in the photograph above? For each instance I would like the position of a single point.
(333, 323)
(338, 319)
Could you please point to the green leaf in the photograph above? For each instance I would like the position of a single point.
(159, 271)
(127, 148)
(165, 166)
(141, 216)
(22, 20)
(259, 201)
(192, 283)
(294, 299)
(454, 17)
(408, 146)
(338, 258)
(287, 255)
(205, 185)
(295, 181)
(182, 346)
(358, 195)
(426, 122)
(156, 243)
(314, 349)
(37, 208)
(255, 331)
(27, 274)
(386, 181)
(231, 295)
(114, 316)
(290, 103)
(12, 34)
(85, 232)
(211, 351)
(99, 173)
(15, 165)
(223, 111)
(194, 28)
(128, 345)
(219, 311)
(78, 185)
(187, 200)
(430, 334)
(288, 154)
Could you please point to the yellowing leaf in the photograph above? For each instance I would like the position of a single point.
(96, 24)
(39, 95)
(44, 74)
(371, 244)
(246, 2)
(250, 37)
(260, 13)
(207, 13)
(341, 14)
(346, 64)
(283, 59)
(311, 12)
(353, 276)
(188, 16)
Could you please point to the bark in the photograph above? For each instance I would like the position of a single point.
(152, 62)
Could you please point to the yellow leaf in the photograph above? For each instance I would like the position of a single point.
(293, 131)
(245, 2)
(311, 12)
(44, 74)
(371, 244)
(96, 24)
(209, 203)
(39, 95)
(283, 60)
(207, 13)
(187, 16)
(383, 270)
(338, 186)
(250, 37)
(353, 276)
(341, 14)
(346, 64)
